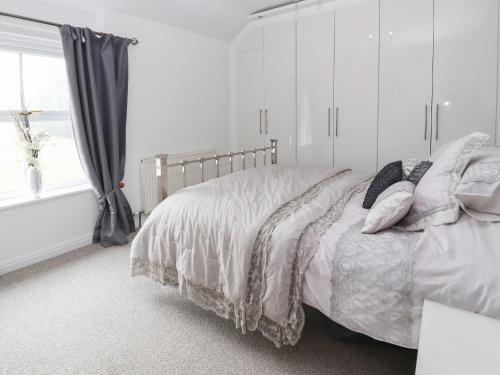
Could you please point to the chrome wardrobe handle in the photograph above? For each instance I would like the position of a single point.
(437, 122)
(266, 120)
(426, 121)
(336, 121)
(260, 122)
(329, 121)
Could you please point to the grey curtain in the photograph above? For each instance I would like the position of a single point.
(97, 70)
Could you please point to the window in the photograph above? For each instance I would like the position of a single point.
(36, 81)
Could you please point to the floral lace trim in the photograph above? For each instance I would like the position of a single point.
(371, 285)
(256, 280)
(487, 172)
(204, 297)
(305, 250)
(207, 299)
(157, 272)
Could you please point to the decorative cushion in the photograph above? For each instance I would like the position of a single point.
(479, 189)
(391, 206)
(408, 166)
(419, 171)
(435, 201)
(388, 176)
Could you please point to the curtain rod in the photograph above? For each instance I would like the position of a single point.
(132, 41)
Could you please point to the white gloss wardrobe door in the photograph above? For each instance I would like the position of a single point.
(465, 68)
(315, 59)
(406, 48)
(280, 88)
(250, 98)
(356, 86)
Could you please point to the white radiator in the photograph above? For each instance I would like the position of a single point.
(150, 186)
(152, 172)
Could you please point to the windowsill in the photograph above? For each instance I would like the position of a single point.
(46, 196)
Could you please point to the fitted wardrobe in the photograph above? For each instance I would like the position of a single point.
(368, 82)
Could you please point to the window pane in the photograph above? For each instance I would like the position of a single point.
(45, 83)
(59, 159)
(45, 88)
(11, 165)
(10, 90)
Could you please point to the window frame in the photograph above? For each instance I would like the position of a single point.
(46, 116)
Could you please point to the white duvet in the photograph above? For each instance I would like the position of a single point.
(239, 245)
(317, 290)
(457, 265)
(254, 245)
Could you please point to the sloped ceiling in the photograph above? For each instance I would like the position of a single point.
(220, 19)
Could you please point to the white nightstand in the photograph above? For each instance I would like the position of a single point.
(457, 342)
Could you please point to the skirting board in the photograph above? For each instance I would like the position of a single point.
(44, 254)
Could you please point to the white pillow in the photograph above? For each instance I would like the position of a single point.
(479, 189)
(435, 201)
(390, 207)
(485, 154)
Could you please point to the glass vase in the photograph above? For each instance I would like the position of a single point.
(34, 180)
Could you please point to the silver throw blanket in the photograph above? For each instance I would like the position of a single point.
(239, 245)
(372, 282)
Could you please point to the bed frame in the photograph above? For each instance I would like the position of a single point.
(162, 166)
(154, 172)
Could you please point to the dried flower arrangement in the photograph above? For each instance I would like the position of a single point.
(31, 141)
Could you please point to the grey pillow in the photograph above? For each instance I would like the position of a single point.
(419, 171)
(435, 201)
(389, 175)
(408, 166)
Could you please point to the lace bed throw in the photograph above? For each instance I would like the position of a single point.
(372, 282)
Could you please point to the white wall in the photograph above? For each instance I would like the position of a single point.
(34, 232)
(178, 101)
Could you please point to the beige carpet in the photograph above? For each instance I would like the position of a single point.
(81, 313)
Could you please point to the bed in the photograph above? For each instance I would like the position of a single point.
(253, 246)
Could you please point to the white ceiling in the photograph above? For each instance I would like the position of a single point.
(220, 19)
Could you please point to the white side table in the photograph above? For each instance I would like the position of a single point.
(457, 342)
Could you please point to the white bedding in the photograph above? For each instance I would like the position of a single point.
(202, 238)
(457, 265)
(317, 289)
(363, 281)
(239, 245)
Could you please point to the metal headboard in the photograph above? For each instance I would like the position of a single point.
(162, 166)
